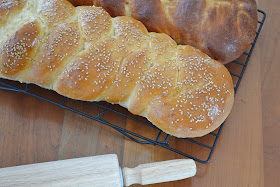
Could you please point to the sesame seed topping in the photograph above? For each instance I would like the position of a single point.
(115, 57)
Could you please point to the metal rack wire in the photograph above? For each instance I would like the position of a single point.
(160, 135)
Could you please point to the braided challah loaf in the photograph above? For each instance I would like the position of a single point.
(222, 29)
(84, 54)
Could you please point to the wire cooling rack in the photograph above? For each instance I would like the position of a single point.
(237, 69)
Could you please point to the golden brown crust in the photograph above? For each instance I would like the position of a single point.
(115, 8)
(17, 52)
(61, 44)
(221, 29)
(55, 12)
(161, 73)
(199, 105)
(100, 63)
(137, 63)
(93, 57)
(152, 14)
(226, 35)
(95, 23)
(91, 73)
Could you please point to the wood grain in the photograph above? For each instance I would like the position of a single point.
(33, 131)
(101, 170)
(270, 58)
(30, 131)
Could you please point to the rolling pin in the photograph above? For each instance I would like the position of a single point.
(100, 170)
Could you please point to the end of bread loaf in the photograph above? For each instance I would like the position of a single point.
(228, 29)
(203, 98)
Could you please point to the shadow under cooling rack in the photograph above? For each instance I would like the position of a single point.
(204, 144)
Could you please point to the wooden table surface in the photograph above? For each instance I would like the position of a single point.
(247, 153)
(270, 88)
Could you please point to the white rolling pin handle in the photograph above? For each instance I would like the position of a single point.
(159, 172)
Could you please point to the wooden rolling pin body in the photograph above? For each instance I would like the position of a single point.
(101, 170)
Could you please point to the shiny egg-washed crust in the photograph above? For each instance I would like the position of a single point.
(223, 29)
(84, 54)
